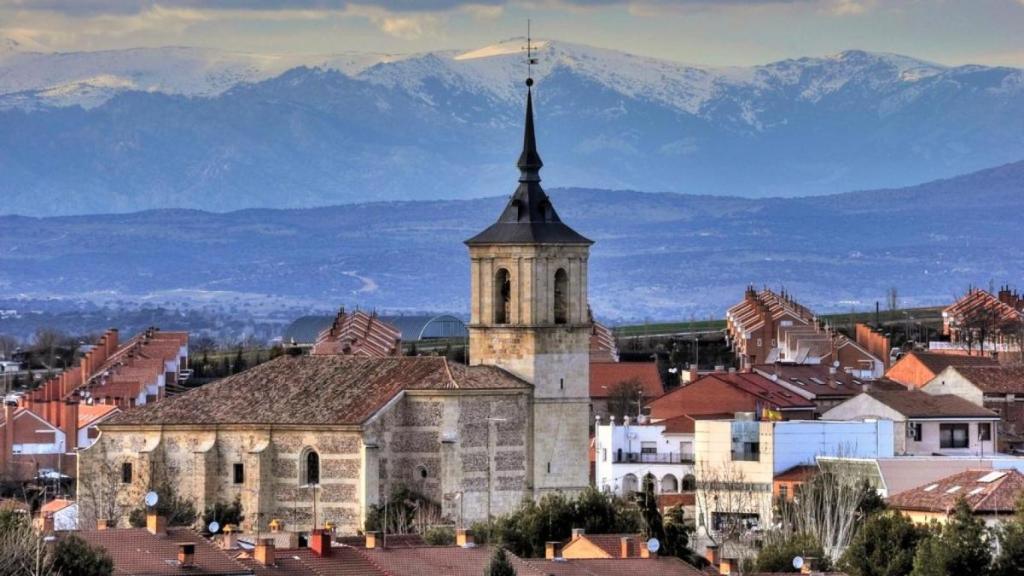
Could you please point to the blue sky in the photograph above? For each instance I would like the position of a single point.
(712, 32)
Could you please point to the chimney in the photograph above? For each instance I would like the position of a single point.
(624, 546)
(320, 542)
(729, 566)
(264, 552)
(464, 538)
(156, 524)
(186, 554)
(371, 539)
(48, 523)
(711, 554)
(102, 524)
(577, 532)
(552, 550)
(69, 426)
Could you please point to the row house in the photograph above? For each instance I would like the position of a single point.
(984, 323)
(45, 427)
(924, 423)
(996, 388)
(360, 334)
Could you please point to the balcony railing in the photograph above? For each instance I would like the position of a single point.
(652, 458)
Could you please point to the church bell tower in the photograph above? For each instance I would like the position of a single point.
(530, 317)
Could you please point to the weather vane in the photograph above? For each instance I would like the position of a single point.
(530, 60)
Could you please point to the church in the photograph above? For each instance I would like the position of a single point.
(311, 439)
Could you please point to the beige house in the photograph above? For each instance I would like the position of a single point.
(312, 439)
(925, 423)
(991, 494)
(997, 388)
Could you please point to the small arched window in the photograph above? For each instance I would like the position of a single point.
(630, 484)
(502, 296)
(689, 483)
(311, 467)
(561, 296)
(669, 484)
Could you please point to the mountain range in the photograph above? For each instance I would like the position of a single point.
(152, 128)
(657, 256)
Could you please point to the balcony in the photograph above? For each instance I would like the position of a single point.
(652, 458)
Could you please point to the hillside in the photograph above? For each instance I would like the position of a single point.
(657, 256)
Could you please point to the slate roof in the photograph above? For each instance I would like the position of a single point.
(529, 217)
(917, 404)
(995, 379)
(315, 390)
(604, 376)
(997, 495)
(136, 552)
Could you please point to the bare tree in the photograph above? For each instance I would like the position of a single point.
(730, 508)
(826, 508)
(624, 398)
(24, 552)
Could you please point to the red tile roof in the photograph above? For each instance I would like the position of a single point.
(359, 334)
(315, 390)
(136, 552)
(393, 540)
(602, 344)
(610, 544)
(986, 491)
(342, 561)
(799, 473)
(446, 560)
(55, 505)
(615, 567)
(604, 376)
(679, 425)
(995, 379)
(816, 379)
(89, 413)
(936, 363)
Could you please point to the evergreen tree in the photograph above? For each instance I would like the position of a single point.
(959, 548)
(500, 564)
(884, 546)
(777, 556)
(677, 537)
(647, 500)
(73, 555)
(1010, 560)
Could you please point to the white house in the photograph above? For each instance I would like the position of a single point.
(628, 452)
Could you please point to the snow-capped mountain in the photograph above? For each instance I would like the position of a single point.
(188, 127)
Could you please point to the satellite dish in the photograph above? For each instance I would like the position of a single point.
(151, 499)
(798, 562)
(653, 545)
(836, 363)
(214, 527)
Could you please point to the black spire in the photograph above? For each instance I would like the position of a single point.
(529, 217)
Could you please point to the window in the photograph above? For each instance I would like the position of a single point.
(561, 296)
(689, 483)
(502, 296)
(914, 431)
(669, 484)
(759, 342)
(311, 468)
(126, 473)
(239, 473)
(421, 472)
(953, 436)
(648, 447)
(783, 491)
(604, 454)
(985, 431)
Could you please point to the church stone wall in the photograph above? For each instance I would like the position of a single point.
(440, 445)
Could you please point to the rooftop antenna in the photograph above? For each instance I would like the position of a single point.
(530, 60)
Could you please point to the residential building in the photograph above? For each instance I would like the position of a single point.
(359, 334)
(585, 546)
(984, 323)
(915, 369)
(59, 515)
(924, 423)
(44, 428)
(997, 388)
(607, 379)
(786, 483)
(311, 439)
(826, 386)
(738, 460)
(726, 393)
(892, 475)
(630, 453)
(992, 495)
(602, 344)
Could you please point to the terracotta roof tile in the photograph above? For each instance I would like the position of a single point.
(616, 567)
(317, 390)
(986, 491)
(938, 362)
(342, 561)
(604, 376)
(610, 544)
(359, 334)
(55, 505)
(799, 473)
(446, 560)
(814, 378)
(89, 413)
(136, 552)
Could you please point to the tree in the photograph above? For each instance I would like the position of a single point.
(73, 555)
(22, 549)
(828, 507)
(499, 564)
(178, 510)
(224, 514)
(778, 553)
(958, 548)
(1010, 535)
(624, 398)
(884, 546)
(647, 501)
(677, 537)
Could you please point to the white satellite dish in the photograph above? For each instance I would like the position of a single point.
(836, 363)
(151, 499)
(653, 545)
(798, 562)
(214, 527)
